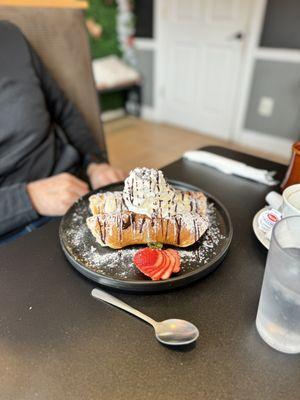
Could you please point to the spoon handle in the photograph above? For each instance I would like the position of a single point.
(108, 298)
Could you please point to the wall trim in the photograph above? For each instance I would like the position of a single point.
(149, 113)
(242, 98)
(159, 12)
(145, 44)
(286, 55)
(112, 114)
(267, 143)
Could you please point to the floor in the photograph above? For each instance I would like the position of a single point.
(135, 142)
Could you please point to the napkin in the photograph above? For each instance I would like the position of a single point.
(229, 166)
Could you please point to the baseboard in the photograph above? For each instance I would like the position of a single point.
(267, 143)
(145, 44)
(149, 113)
(284, 55)
(112, 114)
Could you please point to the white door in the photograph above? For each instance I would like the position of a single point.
(200, 53)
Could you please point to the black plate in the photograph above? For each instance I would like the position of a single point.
(114, 268)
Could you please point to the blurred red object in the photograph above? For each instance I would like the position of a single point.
(293, 173)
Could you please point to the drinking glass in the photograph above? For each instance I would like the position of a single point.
(278, 316)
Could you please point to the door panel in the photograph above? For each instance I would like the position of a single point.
(225, 10)
(182, 89)
(201, 62)
(215, 87)
(187, 11)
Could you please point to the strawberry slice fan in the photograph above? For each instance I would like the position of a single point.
(157, 264)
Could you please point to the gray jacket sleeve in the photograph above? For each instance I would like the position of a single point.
(15, 208)
(66, 115)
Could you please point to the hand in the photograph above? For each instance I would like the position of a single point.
(104, 174)
(53, 196)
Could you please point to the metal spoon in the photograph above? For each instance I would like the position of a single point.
(172, 332)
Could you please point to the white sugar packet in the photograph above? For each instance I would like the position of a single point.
(233, 167)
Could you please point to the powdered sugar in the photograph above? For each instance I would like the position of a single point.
(118, 264)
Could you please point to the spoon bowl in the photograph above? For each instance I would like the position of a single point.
(172, 332)
(176, 332)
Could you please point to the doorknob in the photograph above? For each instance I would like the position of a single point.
(238, 36)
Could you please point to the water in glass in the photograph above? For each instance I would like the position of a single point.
(278, 317)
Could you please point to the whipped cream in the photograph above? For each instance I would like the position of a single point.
(147, 192)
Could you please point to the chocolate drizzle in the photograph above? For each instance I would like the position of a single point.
(178, 229)
(192, 205)
(126, 223)
(119, 224)
(102, 237)
(167, 228)
(142, 224)
(195, 230)
(131, 192)
(197, 206)
(132, 222)
(104, 231)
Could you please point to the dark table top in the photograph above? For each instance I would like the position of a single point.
(57, 342)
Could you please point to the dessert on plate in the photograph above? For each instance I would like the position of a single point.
(148, 210)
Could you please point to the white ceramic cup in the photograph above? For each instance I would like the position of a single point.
(289, 203)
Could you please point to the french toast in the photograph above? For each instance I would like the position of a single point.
(148, 210)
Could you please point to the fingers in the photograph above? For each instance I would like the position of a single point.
(71, 184)
(104, 174)
(121, 174)
(78, 188)
(116, 174)
(99, 181)
(80, 184)
(103, 179)
(74, 181)
(69, 198)
(54, 195)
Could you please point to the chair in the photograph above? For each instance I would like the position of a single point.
(59, 37)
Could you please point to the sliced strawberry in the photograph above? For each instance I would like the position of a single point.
(149, 271)
(175, 253)
(149, 261)
(167, 259)
(176, 268)
(160, 258)
(167, 273)
(163, 269)
(166, 268)
(157, 264)
(176, 258)
(158, 274)
(146, 257)
(157, 271)
(171, 257)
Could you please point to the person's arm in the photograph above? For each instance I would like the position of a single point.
(63, 112)
(66, 115)
(15, 208)
(22, 203)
